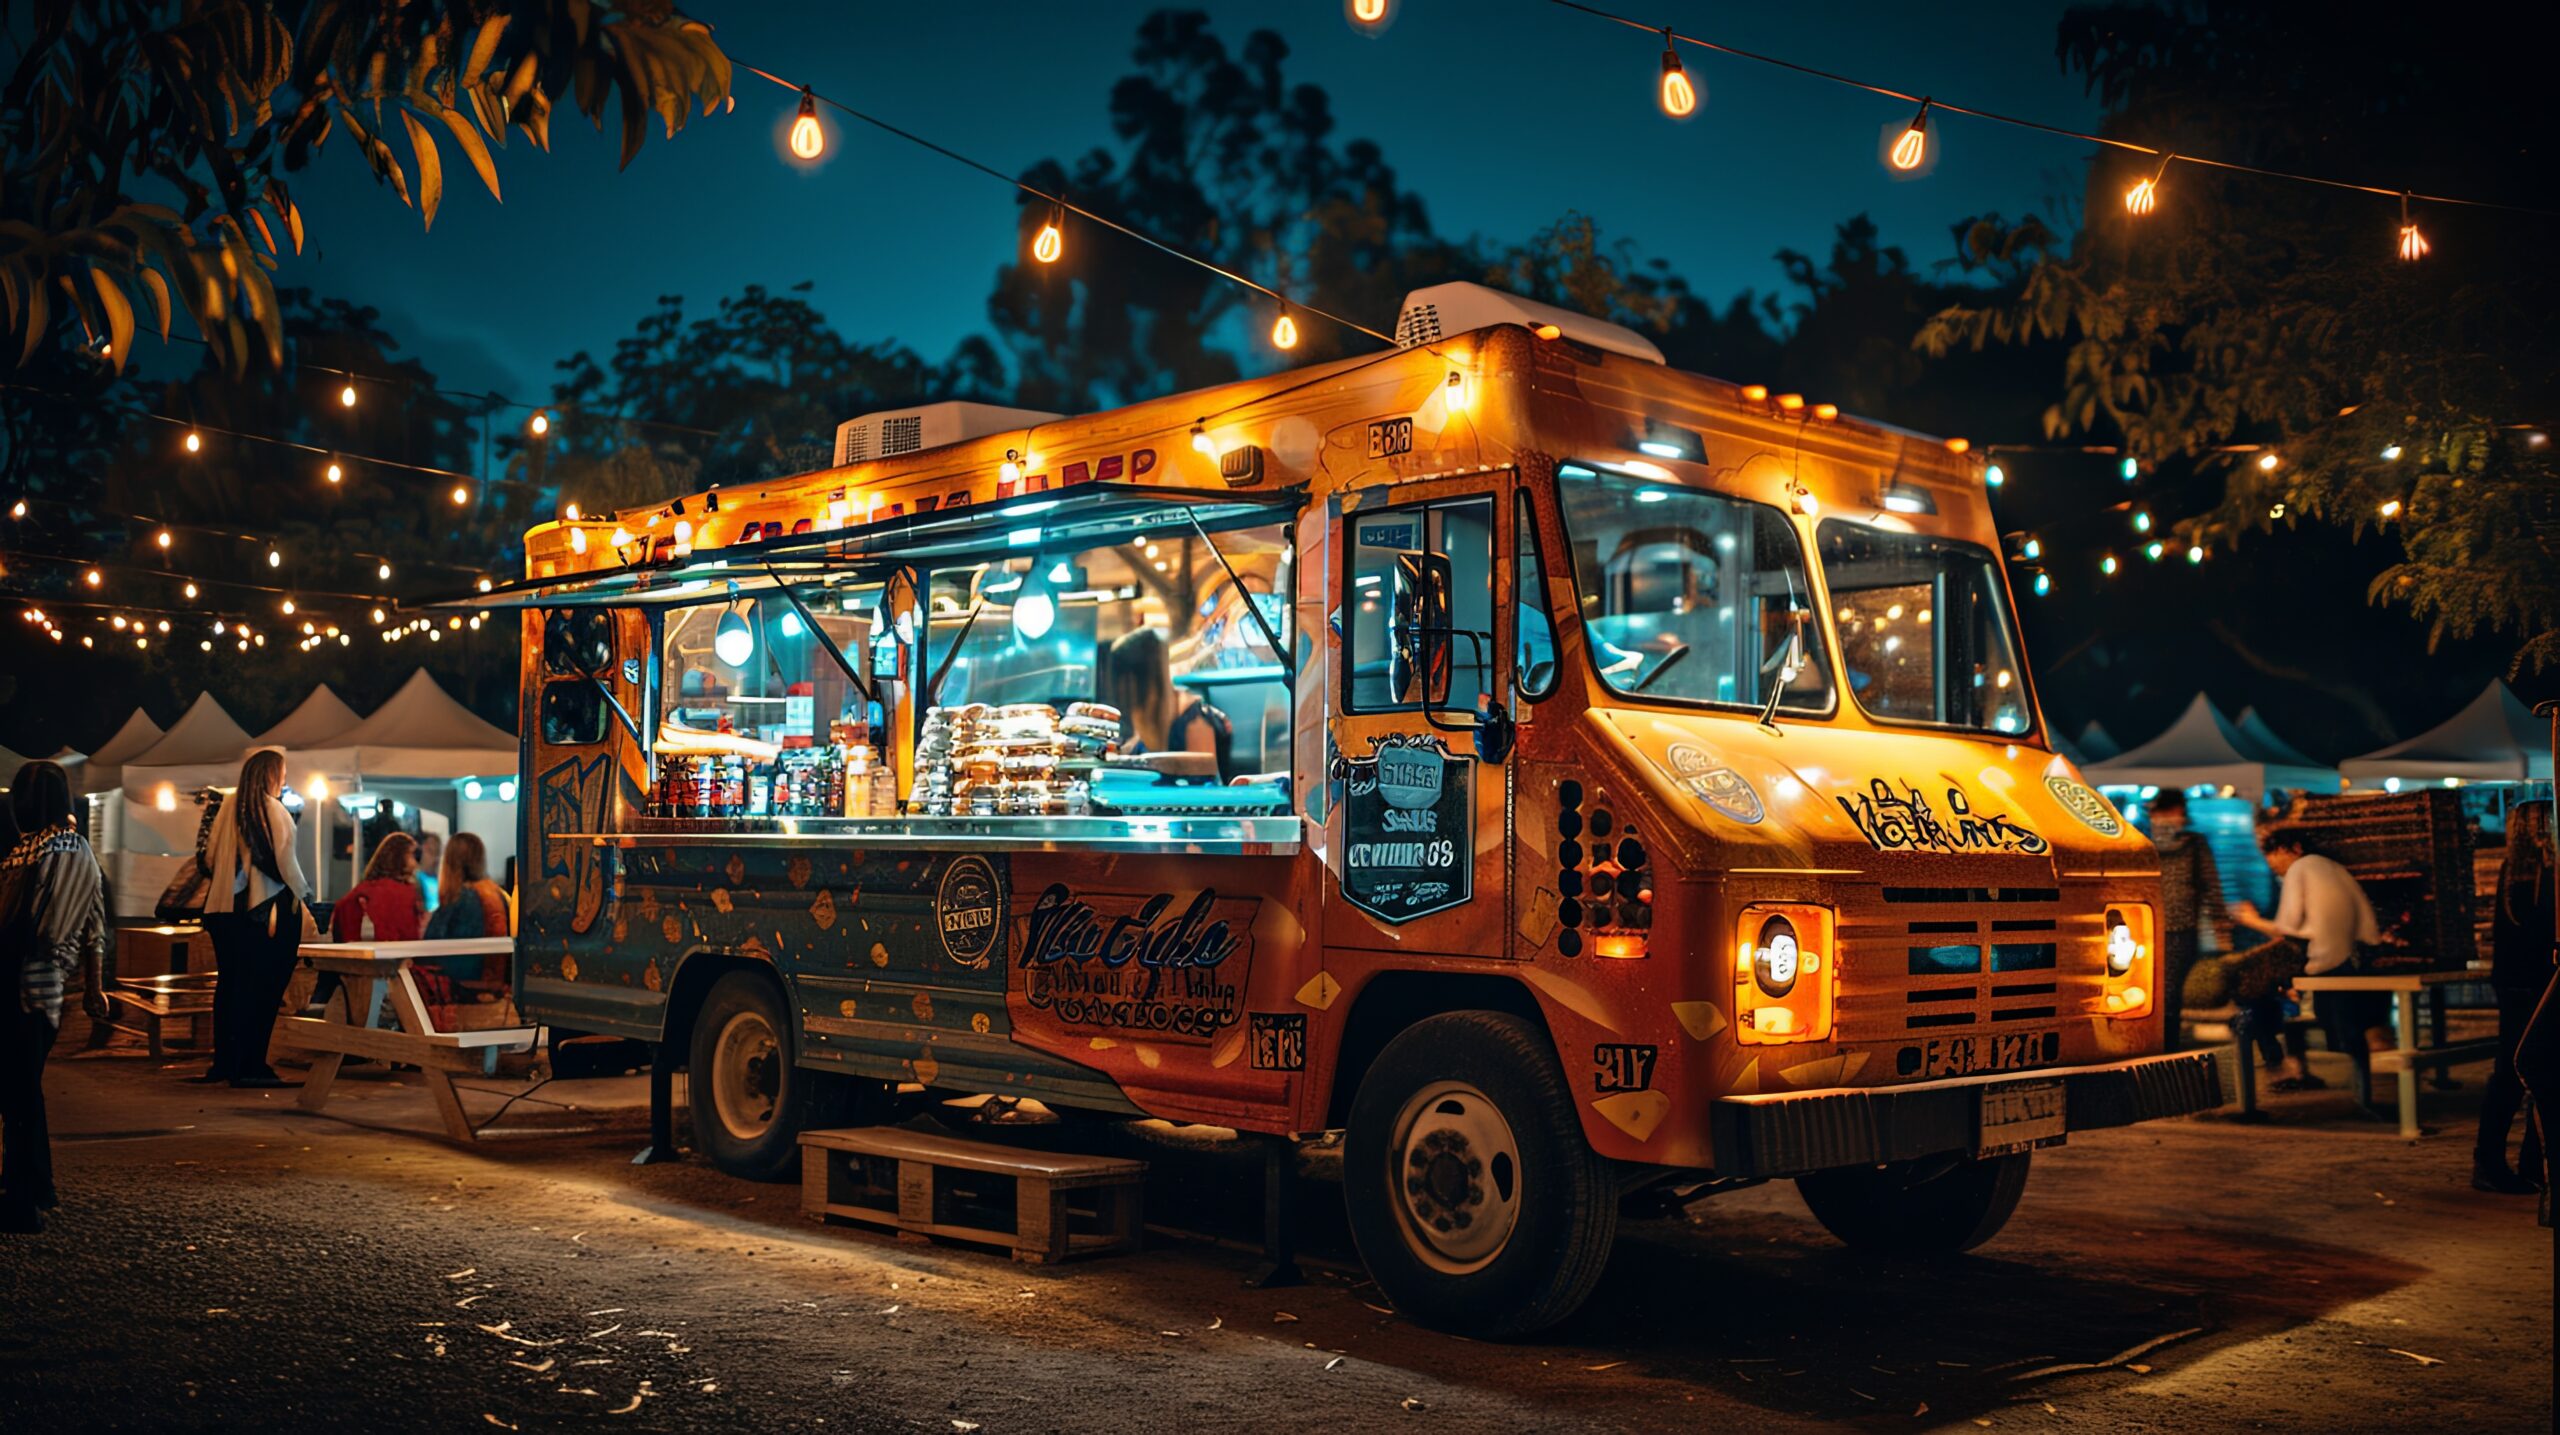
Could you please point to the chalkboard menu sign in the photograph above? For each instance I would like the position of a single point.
(1408, 818)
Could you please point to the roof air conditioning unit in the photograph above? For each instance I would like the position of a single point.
(1446, 310)
(895, 433)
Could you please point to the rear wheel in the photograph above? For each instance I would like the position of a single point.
(1476, 1203)
(749, 1097)
(1918, 1208)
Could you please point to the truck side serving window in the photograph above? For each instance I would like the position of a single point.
(1417, 574)
(1533, 628)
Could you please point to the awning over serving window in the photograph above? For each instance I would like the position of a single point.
(1095, 515)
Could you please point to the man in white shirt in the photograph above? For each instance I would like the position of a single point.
(2324, 912)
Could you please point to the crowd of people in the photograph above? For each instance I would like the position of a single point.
(2324, 925)
(257, 907)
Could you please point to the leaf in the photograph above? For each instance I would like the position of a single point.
(119, 309)
(39, 319)
(430, 166)
(259, 219)
(473, 149)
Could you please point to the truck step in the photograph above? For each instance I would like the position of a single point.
(1043, 1206)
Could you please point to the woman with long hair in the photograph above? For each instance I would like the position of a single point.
(2521, 954)
(473, 906)
(53, 923)
(1137, 678)
(253, 912)
(387, 906)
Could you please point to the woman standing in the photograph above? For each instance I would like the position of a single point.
(53, 921)
(253, 912)
(387, 905)
(2521, 952)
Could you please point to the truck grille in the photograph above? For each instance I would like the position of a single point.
(1940, 959)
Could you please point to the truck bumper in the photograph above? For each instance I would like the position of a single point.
(1798, 1132)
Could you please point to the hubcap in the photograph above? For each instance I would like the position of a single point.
(746, 1075)
(1455, 1177)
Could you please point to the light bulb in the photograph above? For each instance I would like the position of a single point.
(162, 625)
(2044, 584)
(1284, 331)
(485, 585)
(1034, 613)
(93, 578)
(275, 558)
(2142, 520)
(2267, 462)
(2391, 508)
(287, 606)
(163, 540)
(1200, 441)
(1994, 476)
(570, 512)
(2034, 549)
(541, 423)
(577, 540)
(734, 643)
(1368, 12)
(191, 590)
(2195, 553)
(118, 620)
(2391, 453)
(195, 442)
(461, 495)
(1051, 243)
(382, 571)
(2153, 549)
(217, 627)
(1679, 97)
(1912, 145)
(2142, 198)
(2107, 565)
(2413, 245)
(808, 137)
(1454, 393)
(336, 473)
(377, 615)
(18, 509)
(347, 397)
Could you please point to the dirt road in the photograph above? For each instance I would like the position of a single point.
(223, 1261)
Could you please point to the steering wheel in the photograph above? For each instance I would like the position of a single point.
(1669, 661)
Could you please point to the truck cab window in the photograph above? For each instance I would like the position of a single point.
(1533, 664)
(1418, 617)
(1690, 595)
(1925, 629)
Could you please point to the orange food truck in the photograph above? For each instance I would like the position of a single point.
(1569, 778)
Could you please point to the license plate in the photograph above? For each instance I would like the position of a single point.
(1965, 1055)
(2018, 1115)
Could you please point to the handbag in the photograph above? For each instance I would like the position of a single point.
(183, 899)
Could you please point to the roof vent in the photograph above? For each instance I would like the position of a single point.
(895, 433)
(1430, 315)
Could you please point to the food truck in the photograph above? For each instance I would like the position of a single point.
(1574, 781)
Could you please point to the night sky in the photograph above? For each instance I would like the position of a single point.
(1502, 114)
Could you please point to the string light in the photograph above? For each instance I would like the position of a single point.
(1367, 12)
(2044, 583)
(164, 540)
(287, 607)
(2391, 508)
(1679, 97)
(2154, 549)
(191, 590)
(1052, 240)
(570, 512)
(2142, 520)
(1284, 330)
(2413, 245)
(461, 495)
(383, 572)
(808, 137)
(2391, 453)
(93, 578)
(1912, 146)
(2145, 194)
(2034, 548)
(1200, 441)
(2267, 462)
(2130, 469)
(195, 441)
(275, 558)
(540, 423)
(2107, 565)
(2195, 553)
(336, 473)
(18, 509)
(1994, 476)
(347, 396)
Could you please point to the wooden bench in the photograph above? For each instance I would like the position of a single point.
(140, 1004)
(920, 1186)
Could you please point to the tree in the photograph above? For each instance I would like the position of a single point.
(2263, 344)
(116, 105)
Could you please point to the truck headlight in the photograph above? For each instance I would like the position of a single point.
(1784, 971)
(2125, 990)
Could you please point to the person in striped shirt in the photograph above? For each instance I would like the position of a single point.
(53, 925)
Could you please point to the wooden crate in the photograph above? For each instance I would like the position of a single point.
(925, 1186)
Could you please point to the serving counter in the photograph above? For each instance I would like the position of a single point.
(1204, 835)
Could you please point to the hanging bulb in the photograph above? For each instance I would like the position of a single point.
(2142, 520)
(195, 441)
(577, 540)
(2391, 508)
(1284, 330)
(377, 617)
(1200, 441)
(570, 512)
(1912, 146)
(1454, 393)
(2044, 583)
(191, 590)
(2267, 462)
(1368, 12)
(164, 540)
(2195, 553)
(347, 397)
(2145, 194)
(93, 578)
(808, 137)
(382, 571)
(1679, 97)
(2153, 549)
(540, 423)
(2107, 565)
(18, 509)
(734, 643)
(287, 606)
(2034, 549)
(1052, 240)
(461, 495)
(336, 473)
(2413, 245)
(1994, 476)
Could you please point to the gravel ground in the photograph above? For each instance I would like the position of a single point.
(225, 1261)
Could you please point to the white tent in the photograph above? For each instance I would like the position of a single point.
(105, 768)
(2095, 743)
(10, 762)
(202, 748)
(2263, 742)
(2495, 738)
(421, 734)
(319, 720)
(2205, 749)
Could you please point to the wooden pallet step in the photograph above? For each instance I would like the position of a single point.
(1042, 1206)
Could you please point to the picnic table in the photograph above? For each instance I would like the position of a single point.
(142, 1004)
(2405, 989)
(369, 971)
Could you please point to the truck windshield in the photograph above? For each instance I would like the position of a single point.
(1925, 630)
(1689, 595)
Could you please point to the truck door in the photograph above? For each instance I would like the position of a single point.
(1418, 733)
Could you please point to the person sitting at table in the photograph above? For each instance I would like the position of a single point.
(473, 906)
(2322, 925)
(1137, 678)
(387, 905)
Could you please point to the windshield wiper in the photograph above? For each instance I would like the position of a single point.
(1794, 659)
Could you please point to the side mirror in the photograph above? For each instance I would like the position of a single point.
(1418, 669)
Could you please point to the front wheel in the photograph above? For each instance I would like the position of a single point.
(1918, 1208)
(750, 1099)
(1475, 1201)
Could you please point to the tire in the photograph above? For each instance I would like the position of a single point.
(1918, 1208)
(1475, 1202)
(749, 1097)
